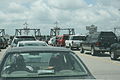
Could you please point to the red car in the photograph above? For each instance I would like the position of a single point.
(61, 39)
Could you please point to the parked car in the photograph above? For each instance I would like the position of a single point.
(3, 42)
(6, 42)
(52, 41)
(115, 51)
(31, 43)
(16, 39)
(98, 42)
(75, 41)
(42, 63)
(61, 40)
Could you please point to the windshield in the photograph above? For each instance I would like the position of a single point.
(40, 64)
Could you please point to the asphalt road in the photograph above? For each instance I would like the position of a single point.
(2, 53)
(101, 66)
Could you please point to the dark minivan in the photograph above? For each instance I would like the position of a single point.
(98, 42)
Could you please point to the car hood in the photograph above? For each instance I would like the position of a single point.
(53, 78)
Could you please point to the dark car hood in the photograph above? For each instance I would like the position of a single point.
(52, 78)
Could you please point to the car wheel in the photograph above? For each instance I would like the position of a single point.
(66, 46)
(4, 47)
(93, 52)
(70, 47)
(81, 50)
(113, 56)
(77, 48)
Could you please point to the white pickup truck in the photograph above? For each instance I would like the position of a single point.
(74, 41)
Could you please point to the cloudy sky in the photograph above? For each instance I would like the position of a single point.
(43, 14)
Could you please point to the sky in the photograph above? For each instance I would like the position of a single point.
(42, 14)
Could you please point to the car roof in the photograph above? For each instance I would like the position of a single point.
(37, 48)
(24, 36)
(62, 35)
(77, 35)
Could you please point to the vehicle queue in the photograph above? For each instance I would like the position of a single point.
(31, 56)
(32, 59)
(97, 43)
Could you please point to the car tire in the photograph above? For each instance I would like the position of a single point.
(77, 48)
(113, 56)
(93, 52)
(70, 47)
(4, 47)
(81, 50)
(66, 46)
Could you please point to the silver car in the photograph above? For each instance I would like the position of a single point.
(42, 63)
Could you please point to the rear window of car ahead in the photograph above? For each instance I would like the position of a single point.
(32, 44)
(23, 39)
(107, 34)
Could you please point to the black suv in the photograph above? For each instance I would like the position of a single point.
(98, 42)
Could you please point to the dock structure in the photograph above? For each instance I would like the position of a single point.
(56, 31)
(26, 31)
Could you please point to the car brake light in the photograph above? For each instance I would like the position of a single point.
(97, 43)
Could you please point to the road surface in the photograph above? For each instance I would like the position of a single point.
(101, 66)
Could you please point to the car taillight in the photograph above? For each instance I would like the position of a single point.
(97, 43)
(63, 41)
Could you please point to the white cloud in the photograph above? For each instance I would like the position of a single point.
(16, 8)
(109, 3)
(75, 13)
(67, 4)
